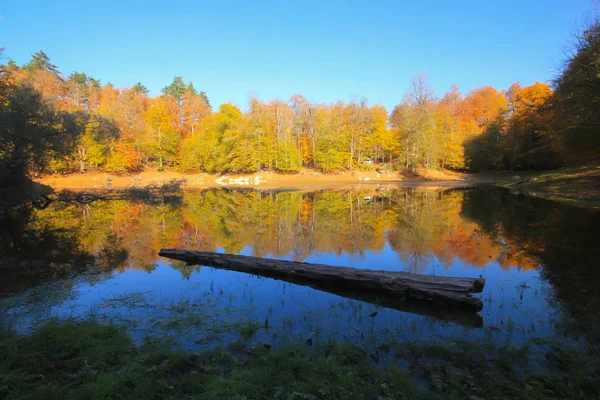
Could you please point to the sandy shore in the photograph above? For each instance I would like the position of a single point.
(257, 180)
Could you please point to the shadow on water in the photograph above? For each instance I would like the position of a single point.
(565, 240)
(38, 247)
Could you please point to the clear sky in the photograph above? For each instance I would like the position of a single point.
(326, 50)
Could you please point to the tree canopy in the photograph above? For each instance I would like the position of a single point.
(577, 95)
(40, 60)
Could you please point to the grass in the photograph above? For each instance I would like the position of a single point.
(575, 185)
(89, 360)
(541, 369)
(249, 328)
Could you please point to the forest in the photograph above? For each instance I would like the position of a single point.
(57, 123)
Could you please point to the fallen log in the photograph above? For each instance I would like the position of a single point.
(443, 292)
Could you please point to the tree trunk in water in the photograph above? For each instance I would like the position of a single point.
(443, 292)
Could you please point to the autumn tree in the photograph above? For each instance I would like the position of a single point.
(96, 145)
(305, 133)
(452, 129)
(207, 150)
(332, 149)
(486, 105)
(487, 108)
(529, 140)
(357, 123)
(380, 143)
(282, 126)
(81, 90)
(250, 144)
(193, 109)
(126, 108)
(162, 138)
(414, 121)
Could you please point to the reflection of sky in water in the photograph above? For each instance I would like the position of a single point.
(515, 304)
(466, 233)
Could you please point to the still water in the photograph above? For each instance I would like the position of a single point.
(100, 260)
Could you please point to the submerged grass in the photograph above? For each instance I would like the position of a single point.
(73, 359)
(89, 360)
(541, 369)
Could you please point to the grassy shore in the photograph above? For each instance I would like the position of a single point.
(576, 185)
(88, 360)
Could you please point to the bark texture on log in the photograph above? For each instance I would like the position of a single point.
(443, 292)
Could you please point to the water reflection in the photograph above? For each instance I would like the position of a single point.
(563, 240)
(417, 225)
(108, 249)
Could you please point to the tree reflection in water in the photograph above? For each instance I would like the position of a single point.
(430, 231)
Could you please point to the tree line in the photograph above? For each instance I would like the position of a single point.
(52, 122)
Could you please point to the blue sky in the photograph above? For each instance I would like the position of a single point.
(325, 50)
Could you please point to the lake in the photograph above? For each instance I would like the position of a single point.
(100, 260)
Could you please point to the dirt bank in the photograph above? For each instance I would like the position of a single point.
(265, 179)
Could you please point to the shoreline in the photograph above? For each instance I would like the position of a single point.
(576, 186)
(262, 180)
